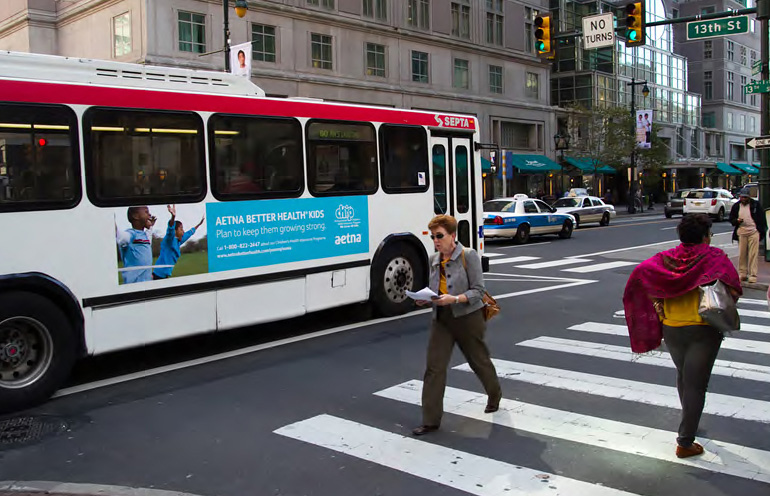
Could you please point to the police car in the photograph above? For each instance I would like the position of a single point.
(520, 217)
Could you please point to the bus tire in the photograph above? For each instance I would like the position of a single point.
(38, 348)
(396, 270)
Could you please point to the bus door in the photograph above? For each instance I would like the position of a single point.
(453, 185)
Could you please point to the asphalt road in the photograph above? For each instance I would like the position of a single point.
(325, 404)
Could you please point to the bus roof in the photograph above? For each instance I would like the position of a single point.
(37, 78)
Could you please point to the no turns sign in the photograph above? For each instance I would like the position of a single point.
(599, 31)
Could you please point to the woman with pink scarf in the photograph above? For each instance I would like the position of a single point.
(661, 302)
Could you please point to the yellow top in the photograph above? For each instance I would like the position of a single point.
(682, 310)
(442, 282)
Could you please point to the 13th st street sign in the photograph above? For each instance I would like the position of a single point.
(717, 27)
(757, 87)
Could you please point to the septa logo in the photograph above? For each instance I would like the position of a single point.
(454, 121)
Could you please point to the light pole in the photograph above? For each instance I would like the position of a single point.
(240, 10)
(561, 142)
(633, 185)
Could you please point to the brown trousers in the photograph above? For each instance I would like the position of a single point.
(749, 255)
(468, 332)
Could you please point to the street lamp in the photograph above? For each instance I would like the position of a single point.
(632, 187)
(561, 142)
(240, 10)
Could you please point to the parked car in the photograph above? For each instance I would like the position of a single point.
(520, 217)
(714, 202)
(586, 209)
(753, 190)
(675, 206)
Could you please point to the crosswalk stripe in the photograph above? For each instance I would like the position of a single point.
(755, 328)
(731, 343)
(640, 392)
(738, 370)
(487, 254)
(452, 468)
(751, 301)
(753, 313)
(497, 261)
(598, 267)
(553, 263)
(720, 457)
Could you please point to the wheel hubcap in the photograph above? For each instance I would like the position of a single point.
(26, 351)
(399, 277)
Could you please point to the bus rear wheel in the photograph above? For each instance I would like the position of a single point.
(396, 271)
(37, 349)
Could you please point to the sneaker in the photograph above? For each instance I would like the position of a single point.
(752, 279)
(694, 449)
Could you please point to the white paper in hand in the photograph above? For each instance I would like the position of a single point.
(423, 294)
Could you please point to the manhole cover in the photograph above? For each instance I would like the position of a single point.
(26, 430)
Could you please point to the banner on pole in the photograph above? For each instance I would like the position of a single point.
(240, 59)
(644, 128)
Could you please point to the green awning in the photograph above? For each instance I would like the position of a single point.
(486, 166)
(586, 164)
(531, 163)
(730, 171)
(746, 168)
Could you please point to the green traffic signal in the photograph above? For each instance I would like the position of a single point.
(635, 24)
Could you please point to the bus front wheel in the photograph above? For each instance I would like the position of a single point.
(396, 271)
(37, 349)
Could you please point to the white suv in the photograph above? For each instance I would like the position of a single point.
(714, 202)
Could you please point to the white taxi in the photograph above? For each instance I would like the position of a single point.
(520, 217)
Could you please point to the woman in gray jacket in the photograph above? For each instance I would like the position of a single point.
(458, 317)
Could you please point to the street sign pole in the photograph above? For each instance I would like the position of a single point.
(763, 13)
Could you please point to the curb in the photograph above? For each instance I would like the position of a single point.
(755, 285)
(18, 488)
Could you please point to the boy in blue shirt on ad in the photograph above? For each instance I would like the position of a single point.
(170, 247)
(135, 245)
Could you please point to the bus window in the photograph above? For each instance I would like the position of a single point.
(39, 164)
(439, 179)
(342, 158)
(404, 152)
(255, 157)
(143, 156)
(461, 177)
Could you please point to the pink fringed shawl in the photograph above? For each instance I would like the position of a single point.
(669, 274)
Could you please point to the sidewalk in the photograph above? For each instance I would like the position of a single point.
(45, 488)
(621, 210)
(763, 273)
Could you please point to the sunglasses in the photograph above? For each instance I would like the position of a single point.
(437, 236)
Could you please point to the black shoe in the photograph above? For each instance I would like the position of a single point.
(491, 408)
(424, 429)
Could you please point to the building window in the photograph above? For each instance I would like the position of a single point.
(327, 4)
(708, 10)
(753, 57)
(420, 67)
(694, 148)
(675, 13)
(743, 55)
(729, 120)
(529, 28)
(743, 83)
(495, 22)
(263, 42)
(460, 79)
(708, 86)
(752, 124)
(708, 49)
(495, 79)
(730, 85)
(461, 20)
(376, 9)
(418, 14)
(741, 122)
(321, 51)
(121, 35)
(533, 85)
(753, 100)
(709, 119)
(730, 50)
(375, 60)
(192, 32)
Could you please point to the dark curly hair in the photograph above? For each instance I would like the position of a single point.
(694, 228)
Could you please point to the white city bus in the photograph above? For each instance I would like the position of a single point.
(300, 206)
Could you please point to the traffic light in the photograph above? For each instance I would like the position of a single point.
(635, 24)
(543, 35)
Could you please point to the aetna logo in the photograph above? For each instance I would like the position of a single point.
(347, 239)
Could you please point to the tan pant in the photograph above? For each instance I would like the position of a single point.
(749, 255)
(468, 332)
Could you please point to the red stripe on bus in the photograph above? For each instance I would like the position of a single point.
(75, 94)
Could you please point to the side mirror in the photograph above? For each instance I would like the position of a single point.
(553, 210)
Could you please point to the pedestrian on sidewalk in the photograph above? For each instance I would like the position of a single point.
(749, 222)
(661, 302)
(458, 317)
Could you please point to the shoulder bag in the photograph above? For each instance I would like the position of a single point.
(491, 308)
(717, 307)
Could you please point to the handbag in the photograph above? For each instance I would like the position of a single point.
(717, 307)
(491, 308)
